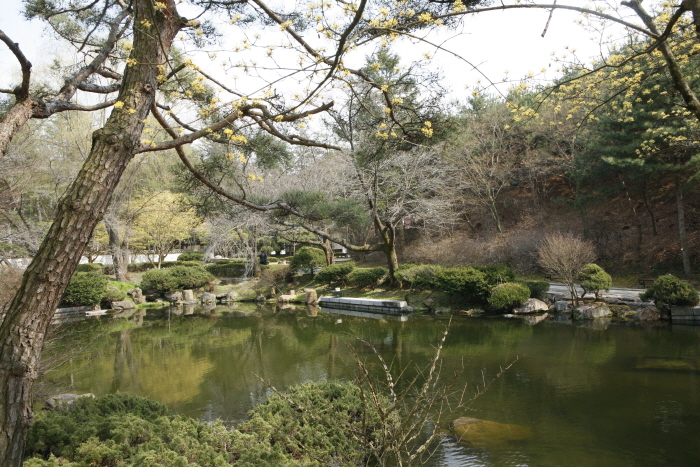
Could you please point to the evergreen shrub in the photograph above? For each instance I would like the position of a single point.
(497, 274)
(308, 258)
(508, 295)
(669, 290)
(85, 289)
(367, 277)
(191, 256)
(467, 281)
(335, 272)
(323, 423)
(538, 289)
(226, 269)
(112, 295)
(593, 279)
(176, 278)
(95, 268)
(421, 277)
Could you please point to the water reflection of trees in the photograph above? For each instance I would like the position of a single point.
(216, 365)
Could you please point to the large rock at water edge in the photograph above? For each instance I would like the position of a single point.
(484, 432)
(311, 297)
(123, 305)
(207, 297)
(648, 314)
(562, 306)
(173, 297)
(187, 295)
(532, 305)
(594, 311)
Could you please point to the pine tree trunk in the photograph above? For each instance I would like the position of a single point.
(328, 250)
(13, 121)
(83, 205)
(649, 209)
(120, 254)
(681, 227)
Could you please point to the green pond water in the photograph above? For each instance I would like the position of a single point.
(592, 396)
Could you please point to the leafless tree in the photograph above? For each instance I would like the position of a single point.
(564, 255)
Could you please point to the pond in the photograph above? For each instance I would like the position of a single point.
(624, 396)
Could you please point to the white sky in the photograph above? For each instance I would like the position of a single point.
(497, 42)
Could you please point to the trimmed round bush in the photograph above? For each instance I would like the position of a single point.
(466, 281)
(508, 295)
(85, 289)
(95, 268)
(191, 256)
(367, 277)
(419, 277)
(308, 258)
(593, 279)
(335, 272)
(176, 278)
(159, 280)
(669, 290)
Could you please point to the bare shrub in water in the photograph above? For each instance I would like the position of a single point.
(410, 429)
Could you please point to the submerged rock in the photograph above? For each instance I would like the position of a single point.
(484, 432)
(668, 364)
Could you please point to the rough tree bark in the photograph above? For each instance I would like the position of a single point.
(24, 326)
(687, 270)
(120, 252)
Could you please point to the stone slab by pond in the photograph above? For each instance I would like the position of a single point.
(371, 305)
(685, 314)
(484, 432)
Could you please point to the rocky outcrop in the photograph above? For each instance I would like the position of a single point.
(484, 432)
(532, 305)
(562, 306)
(136, 295)
(594, 311)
